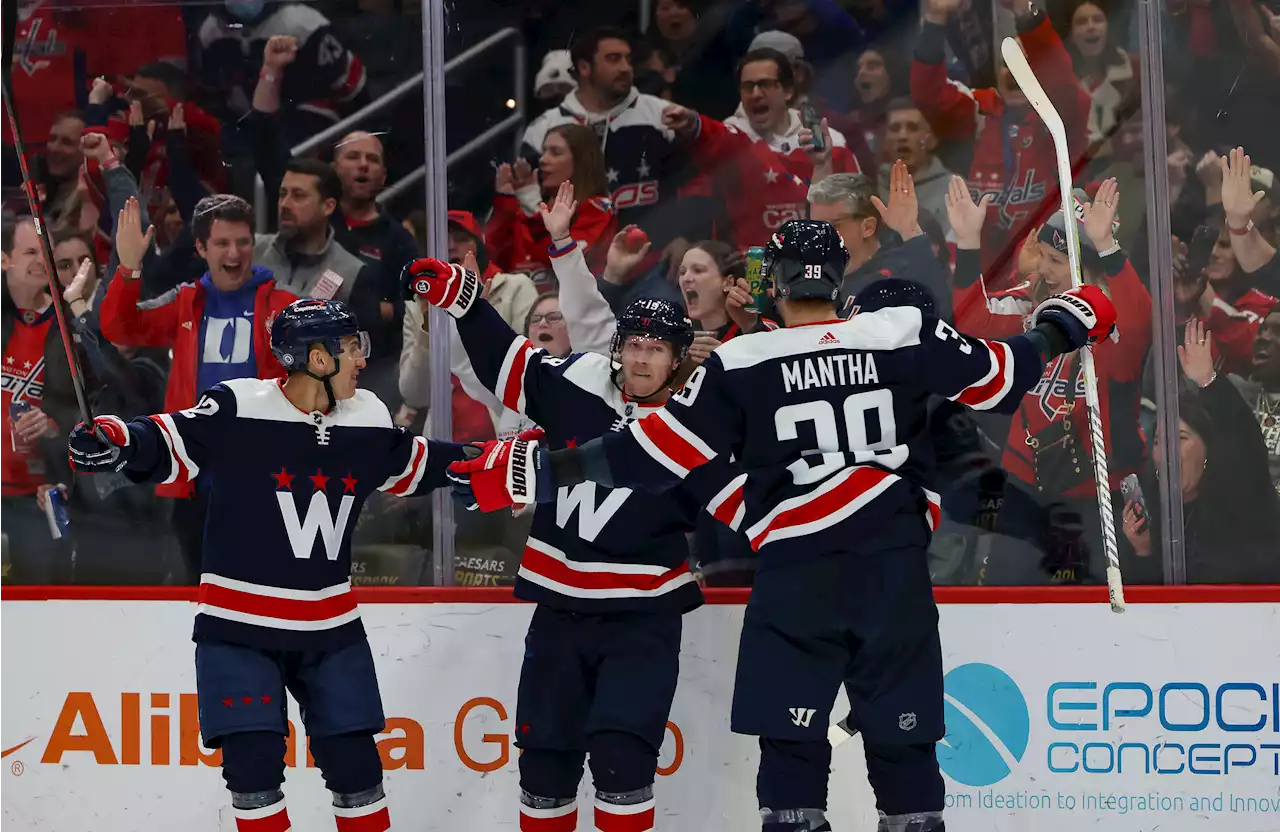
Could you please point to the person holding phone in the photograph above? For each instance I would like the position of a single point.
(1230, 516)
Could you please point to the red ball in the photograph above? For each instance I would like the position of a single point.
(635, 239)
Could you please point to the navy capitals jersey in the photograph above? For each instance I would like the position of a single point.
(828, 419)
(595, 549)
(285, 489)
(643, 164)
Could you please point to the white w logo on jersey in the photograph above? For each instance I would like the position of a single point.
(801, 716)
(302, 535)
(591, 519)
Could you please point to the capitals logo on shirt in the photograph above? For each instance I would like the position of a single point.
(1051, 390)
(24, 380)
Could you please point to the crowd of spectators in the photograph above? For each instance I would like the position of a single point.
(698, 133)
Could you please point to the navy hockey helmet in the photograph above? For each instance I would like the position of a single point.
(311, 321)
(655, 318)
(895, 291)
(805, 259)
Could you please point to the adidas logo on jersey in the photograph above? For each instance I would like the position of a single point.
(828, 339)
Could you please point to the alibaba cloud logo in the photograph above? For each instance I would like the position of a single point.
(987, 725)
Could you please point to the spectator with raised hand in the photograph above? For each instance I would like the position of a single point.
(1107, 72)
(1050, 500)
(217, 327)
(517, 238)
(762, 159)
(1223, 299)
(1231, 517)
(322, 80)
(643, 170)
(849, 202)
(591, 323)
(1019, 174)
(908, 136)
(1241, 205)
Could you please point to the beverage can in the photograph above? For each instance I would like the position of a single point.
(55, 511)
(755, 278)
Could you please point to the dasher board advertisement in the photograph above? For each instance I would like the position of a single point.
(1059, 717)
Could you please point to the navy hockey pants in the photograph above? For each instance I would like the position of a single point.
(598, 683)
(241, 688)
(863, 617)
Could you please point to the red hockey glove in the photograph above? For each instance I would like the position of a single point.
(446, 285)
(506, 473)
(1085, 314)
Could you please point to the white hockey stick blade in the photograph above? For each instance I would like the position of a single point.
(1016, 60)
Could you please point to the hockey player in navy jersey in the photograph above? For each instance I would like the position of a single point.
(607, 567)
(288, 464)
(827, 417)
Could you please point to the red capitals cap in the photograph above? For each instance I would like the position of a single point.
(468, 223)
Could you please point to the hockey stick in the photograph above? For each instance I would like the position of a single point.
(33, 202)
(1016, 60)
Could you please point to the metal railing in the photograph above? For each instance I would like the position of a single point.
(405, 88)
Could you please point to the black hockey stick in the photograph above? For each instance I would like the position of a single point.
(9, 36)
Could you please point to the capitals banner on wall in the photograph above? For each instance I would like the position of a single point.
(1059, 717)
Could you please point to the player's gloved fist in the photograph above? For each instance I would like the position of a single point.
(1085, 315)
(104, 446)
(446, 285)
(511, 472)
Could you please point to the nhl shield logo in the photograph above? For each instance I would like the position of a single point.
(907, 721)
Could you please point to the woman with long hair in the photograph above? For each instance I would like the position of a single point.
(1106, 71)
(517, 238)
(1050, 500)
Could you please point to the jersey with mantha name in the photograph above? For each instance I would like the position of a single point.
(828, 420)
(595, 549)
(285, 490)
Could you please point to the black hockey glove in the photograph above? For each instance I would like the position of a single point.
(106, 446)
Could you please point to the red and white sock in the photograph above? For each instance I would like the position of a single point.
(636, 817)
(271, 818)
(374, 817)
(559, 819)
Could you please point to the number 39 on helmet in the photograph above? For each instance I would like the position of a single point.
(805, 260)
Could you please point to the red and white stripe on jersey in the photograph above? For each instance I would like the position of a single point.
(933, 513)
(182, 468)
(988, 391)
(557, 819)
(670, 443)
(352, 81)
(511, 377)
(547, 566)
(728, 506)
(823, 507)
(407, 481)
(273, 818)
(638, 817)
(303, 610)
(375, 817)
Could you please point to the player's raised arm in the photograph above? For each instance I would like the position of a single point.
(505, 362)
(164, 448)
(995, 374)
